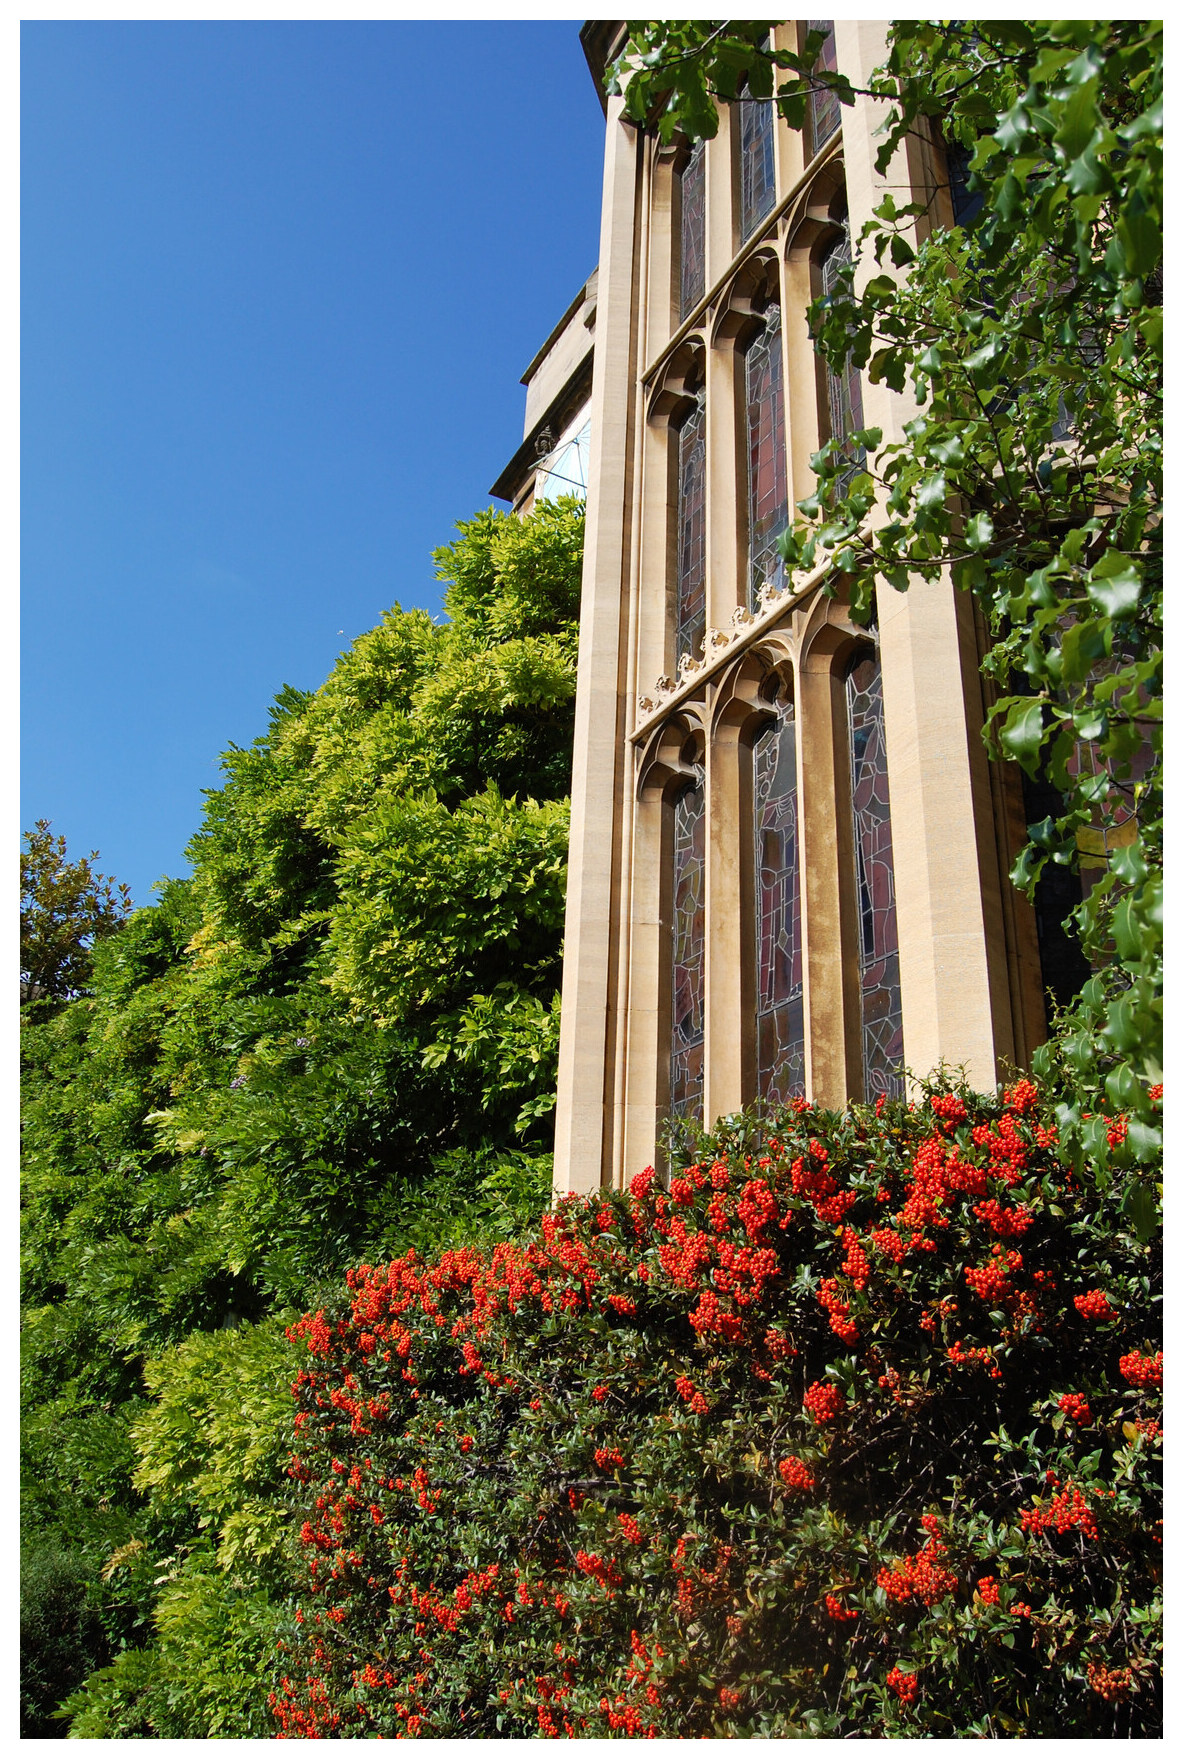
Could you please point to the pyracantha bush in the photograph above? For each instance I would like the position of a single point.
(852, 1429)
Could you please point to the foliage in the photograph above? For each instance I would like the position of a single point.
(65, 907)
(61, 1636)
(1030, 340)
(852, 1434)
(337, 1038)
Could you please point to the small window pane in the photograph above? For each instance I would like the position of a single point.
(878, 943)
(824, 115)
(566, 471)
(844, 386)
(691, 604)
(689, 949)
(780, 1013)
(768, 485)
(757, 176)
(692, 230)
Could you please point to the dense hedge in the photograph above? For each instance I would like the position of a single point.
(854, 1432)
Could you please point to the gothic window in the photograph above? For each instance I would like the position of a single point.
(767, 469)
(843, 387)
(688, 953)
(780, 1016)
(874, 882)
(691, 584)
(692, 230)
(757, 176)
(824, 115)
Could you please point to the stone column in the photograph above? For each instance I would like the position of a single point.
(598, 786)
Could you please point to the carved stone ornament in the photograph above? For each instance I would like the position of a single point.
(713, 642)
(770, 595)
(740, 618)
(688, 668)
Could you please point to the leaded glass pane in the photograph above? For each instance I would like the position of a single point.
(780, 1011)
(688, 949)
(768, 484)
(844, 387)
(691, 602)
(824, 116)
(757, 176)
(879, 959)
(692, 229)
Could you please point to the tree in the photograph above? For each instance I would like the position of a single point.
(336, 1039)
(1030, 338)
(66, 906)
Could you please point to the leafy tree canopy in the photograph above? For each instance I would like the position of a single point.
(337, 1038)
(65, 907)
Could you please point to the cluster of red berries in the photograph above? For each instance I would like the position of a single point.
(796, 1474)
(906, 1686)
(1141, 1370)
(824, 1402)
(1074, 1405)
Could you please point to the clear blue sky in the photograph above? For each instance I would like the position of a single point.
(279, 284)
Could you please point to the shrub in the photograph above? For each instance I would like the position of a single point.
(818, 1441)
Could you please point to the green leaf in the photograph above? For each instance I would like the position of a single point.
(1115, 585)
(1022, 733)
(979, 531)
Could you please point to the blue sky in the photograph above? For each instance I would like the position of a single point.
(279, 284)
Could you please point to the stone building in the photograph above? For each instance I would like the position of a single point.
(789, 851)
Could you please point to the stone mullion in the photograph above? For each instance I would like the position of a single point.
(833, 1027)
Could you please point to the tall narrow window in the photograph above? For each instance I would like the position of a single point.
(824, 116)
(688, 953)
(757, 175)
(844, 387)
(692, 229)
(780, 1014)
(967, 203)
(691, 601)
(768, 484)
(879, 959)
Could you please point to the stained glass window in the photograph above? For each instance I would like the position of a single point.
(824, 116)
(688, 953)
(768, 486)
(780, 1014)
(878, 943)
(692, 229)
(757, 176)
(844, 387)
(691, 605)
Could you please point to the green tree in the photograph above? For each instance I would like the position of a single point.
(1030, 339)
(337, 1039)
(66, 906)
